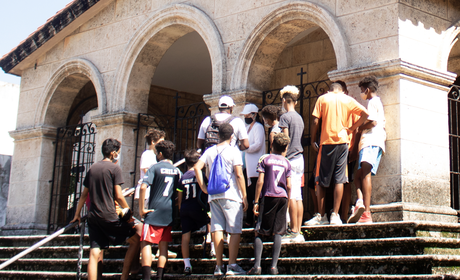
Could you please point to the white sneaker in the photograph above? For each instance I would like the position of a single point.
(297, 238)
(317, 220)
(335, 219)
(234, 269)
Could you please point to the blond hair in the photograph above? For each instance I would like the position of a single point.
(290, 93)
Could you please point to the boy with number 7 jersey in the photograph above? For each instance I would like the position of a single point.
(163, 179)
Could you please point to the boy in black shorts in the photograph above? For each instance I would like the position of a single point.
(103, 185)
(163, 179)
(272, 193)
(192, 207)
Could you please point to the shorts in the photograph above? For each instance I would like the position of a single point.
(351, 169)
(102, 233)
(226, 215)
(272, 216)
(297, 169)
(331, 165)
(371, 155)
(155, 234)
(192, 218)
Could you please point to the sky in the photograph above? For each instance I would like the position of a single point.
(20, 18)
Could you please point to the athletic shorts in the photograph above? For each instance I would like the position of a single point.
(351, 169)
(297, 169)
(103, 233)
(226, 215)
(272, 216)
(155, 234)
(371, 155)
(332, 162)
(193, 218)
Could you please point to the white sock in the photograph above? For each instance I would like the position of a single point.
(212, 248)
(187, 262)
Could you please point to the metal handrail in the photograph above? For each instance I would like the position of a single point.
(42, 242)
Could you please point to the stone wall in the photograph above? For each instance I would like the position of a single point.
(5, 169)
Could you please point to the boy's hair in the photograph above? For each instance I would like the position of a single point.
(110, 145)
(225, 131)
(272, 112)
(280, 142)
(335, 87)
(369, 82)
(290, 94)
(191, 157)
(153, 135)
(343, 84)
(167, 148)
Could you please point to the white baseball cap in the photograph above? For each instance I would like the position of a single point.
(226, 101)
(249, 108)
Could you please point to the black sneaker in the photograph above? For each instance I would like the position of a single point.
(187, 270)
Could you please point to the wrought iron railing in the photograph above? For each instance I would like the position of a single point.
(454, 144)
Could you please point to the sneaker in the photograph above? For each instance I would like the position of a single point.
(255, 271)
(274, 271)
(171, 255)
(335, 219)
(188, 270)
(356, 213)
(366, 218)
(235, 269)
(297, 238)
(219, 270)
(286, 238)
(317, 220)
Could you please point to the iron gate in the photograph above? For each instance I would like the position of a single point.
(454, 144)
(74, 155)
(182, 129)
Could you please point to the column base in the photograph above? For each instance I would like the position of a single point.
(413, 212)
(24, 229)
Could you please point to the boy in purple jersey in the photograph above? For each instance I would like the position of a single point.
(273, 190)
(192, 207)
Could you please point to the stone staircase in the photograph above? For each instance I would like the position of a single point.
(394, 250)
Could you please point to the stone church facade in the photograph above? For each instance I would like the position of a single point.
(113, 59)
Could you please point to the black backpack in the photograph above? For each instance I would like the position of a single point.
(212, 132)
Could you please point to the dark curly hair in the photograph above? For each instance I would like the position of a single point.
(110, 145)
(369, 82)
(280, 142)
(191, 157)
(272, 112)
(153, 135)
(167, 148)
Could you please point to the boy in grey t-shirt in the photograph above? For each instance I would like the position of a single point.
(291, 123)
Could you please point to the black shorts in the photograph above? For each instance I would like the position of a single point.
(332, 162)
(351, 171)
(102, 233)
(272, 216)
(193, 218)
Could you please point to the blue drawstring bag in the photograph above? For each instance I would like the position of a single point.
(219, 179)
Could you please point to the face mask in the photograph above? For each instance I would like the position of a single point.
(267, 125)
(248, 120)
(364, 95)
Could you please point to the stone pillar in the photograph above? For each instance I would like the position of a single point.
(412, 182)
(31, 172)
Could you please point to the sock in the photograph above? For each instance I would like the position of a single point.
(160, 272)
(258, 247)
(212, 248)
(276, 249)
(187, 262)
(100, 269)
(146, 272)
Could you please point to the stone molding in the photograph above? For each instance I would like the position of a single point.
(115, 119)
(393, 68)
(176, 14)
(68, 68)
(240, 97)
(404, 206)
(295, 10)
(34, 132)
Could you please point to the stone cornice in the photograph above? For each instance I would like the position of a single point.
(393, 68)
(33, 132)
(115, 119)
(240, 97)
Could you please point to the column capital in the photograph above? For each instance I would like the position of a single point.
(395, 67)
(33, 132)
(115, 119)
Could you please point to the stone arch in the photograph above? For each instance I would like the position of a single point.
(63, 87)
(277, 30)
(149, 44)
(447, 43)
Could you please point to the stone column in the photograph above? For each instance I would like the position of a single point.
(31, 172)
(412, 182)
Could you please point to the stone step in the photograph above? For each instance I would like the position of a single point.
(382, 246)
(427, 264)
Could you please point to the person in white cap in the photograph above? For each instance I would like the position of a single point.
(226, 105)
(256, 136)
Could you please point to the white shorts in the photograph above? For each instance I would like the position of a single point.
(226, 215)
(297, 169)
